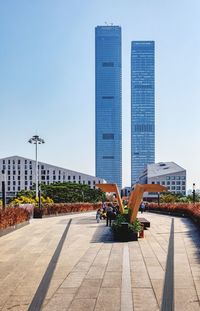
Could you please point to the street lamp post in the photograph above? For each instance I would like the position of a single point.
(36, 140)
(193, 193)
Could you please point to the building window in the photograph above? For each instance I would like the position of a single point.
(47, 177)
(18, 188)
(177, 177)
(108, 157)
(26, 182)
(74, 177)
(89, 182)
(54, 177)
(19, 162)
(107, 97)
(163, 182)
(13, 188)
(168, 177)
(183, 177)
(8, 188)
(14, 172)
(69, 177)
(168, 182)
(9, 183)
(173, 182)
(108, 64)
(19, 183)
(26, 172)
(108, 136)
(42, 167)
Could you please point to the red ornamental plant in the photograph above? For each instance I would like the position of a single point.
(12, 216)
(61, 208)
(188, 209)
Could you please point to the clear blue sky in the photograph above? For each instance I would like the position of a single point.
(47, 78)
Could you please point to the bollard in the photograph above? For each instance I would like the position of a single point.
(141, 233)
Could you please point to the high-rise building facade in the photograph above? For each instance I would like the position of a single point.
(108, 110)
(142, 107)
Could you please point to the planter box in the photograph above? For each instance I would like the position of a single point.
(37, 213)
(123, 234)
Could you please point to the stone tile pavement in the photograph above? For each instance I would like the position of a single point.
(93, 272)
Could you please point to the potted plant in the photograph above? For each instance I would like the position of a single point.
(123, 230)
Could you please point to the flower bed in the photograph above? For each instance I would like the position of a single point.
(12, 216)
(186, 209)
(62, 208)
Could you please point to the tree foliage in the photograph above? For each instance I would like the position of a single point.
(178, 198)
(72, 192)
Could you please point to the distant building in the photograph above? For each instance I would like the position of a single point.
(168, 174)
(142, 107)
(108, 103)
(125, 192)
(20, 175)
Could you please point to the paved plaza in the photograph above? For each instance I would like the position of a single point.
(78, 267)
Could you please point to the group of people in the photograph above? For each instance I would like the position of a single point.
(109, 211)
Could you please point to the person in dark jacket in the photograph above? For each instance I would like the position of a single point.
(109, 214)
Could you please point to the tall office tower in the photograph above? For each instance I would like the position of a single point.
(142, 107)
(108, 103)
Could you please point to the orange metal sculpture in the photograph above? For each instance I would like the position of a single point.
(135, 197)
(112, 188)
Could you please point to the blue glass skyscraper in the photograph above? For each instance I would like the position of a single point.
(142, 107)
(108, 103)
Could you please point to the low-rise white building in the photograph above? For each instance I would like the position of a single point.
(19, 174)
(168, 174)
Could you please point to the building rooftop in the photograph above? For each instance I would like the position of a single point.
(163, 168)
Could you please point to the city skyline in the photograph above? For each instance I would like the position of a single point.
(142, 107)
(108, 104)
(47, 79)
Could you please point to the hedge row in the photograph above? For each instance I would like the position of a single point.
(188, 209)
(61, 208)
(12, 216)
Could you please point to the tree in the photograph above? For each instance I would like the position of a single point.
(72, 192)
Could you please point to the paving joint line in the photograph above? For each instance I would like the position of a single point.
(39, 297)
(126, 288)
(148, 275)
(86, 273)
(190, 268)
